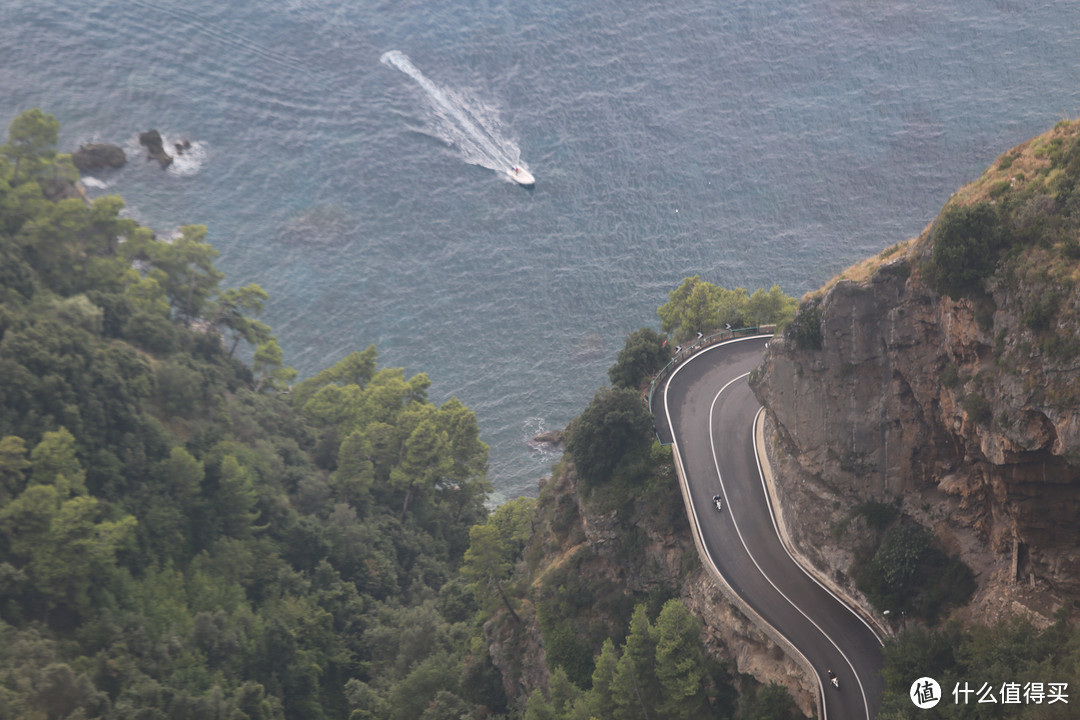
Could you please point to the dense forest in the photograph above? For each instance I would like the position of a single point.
(183, 535)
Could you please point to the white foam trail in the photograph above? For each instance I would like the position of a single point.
(462, 122)
(189, 162)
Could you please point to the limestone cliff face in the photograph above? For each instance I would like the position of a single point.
(967, 410)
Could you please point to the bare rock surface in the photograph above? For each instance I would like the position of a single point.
(966, 410)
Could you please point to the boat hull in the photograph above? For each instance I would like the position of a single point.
(521, 176)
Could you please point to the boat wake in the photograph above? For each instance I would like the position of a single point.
(465, 123)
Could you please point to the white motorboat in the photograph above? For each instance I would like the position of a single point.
(522, 176)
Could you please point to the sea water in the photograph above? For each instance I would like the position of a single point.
(746, 141)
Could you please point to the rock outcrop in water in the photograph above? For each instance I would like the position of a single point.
(949, 379)
(155, 146)
(98, 156)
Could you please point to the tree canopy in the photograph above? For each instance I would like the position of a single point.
(968, 239)
(643, 355)
(699, 306)
(614, 426)
(182, 533)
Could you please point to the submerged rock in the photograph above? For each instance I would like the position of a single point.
(552, 438)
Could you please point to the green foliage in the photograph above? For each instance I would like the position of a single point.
(967, 242)
(634, 685)
(699, 306)
(771, 702)
(564, 647)
(899, 554)
(175, 541)
(642, 356)
(978, 407)
(234, 310)
(769, 307)
(659, 672)
(187, 273)
(805, 329)
(908, 573)
(600, 702)
(55, 532)
(269, 366)
(576, 613)
(1039, 312)
(53, 462)
(1070, 248)
(1009, 652)
(613, 426)
(680, 667)
(950, 376)
(878, 515)
(488, 563)
(31, 144)
(13, 467)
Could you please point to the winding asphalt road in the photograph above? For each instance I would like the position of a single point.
(710, 410)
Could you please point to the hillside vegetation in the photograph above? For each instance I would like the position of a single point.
(186, 532)
(183, 535)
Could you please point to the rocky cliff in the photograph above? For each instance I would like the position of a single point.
(604, 552)
(945, 373)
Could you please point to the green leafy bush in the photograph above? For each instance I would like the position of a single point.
(978, 407)
(967, 241)
(642, 356)
(1040, 311)
(950, 376)
(805, 330)
(909, 573)
(878, 515)
(608, 433)
(177, 542)
(699, 306)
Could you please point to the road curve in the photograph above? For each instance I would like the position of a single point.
(709, 409)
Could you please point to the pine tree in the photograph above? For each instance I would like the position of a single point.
(679, 665)
(635, 690)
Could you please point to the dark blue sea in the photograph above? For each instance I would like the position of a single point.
(747, 141)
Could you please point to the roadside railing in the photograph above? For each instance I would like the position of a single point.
(703, 341)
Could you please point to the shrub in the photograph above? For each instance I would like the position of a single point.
(1039, 314)
(978, 407)
(642, 356)
(950, 376)
(908, 572)
(878, 515)
(1059, 347)
(999, 188)
(805, 329)
(614, 425)
(889, 251)
(967, 243)
(1071, 248)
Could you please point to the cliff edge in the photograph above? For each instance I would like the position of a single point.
(944, 374)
